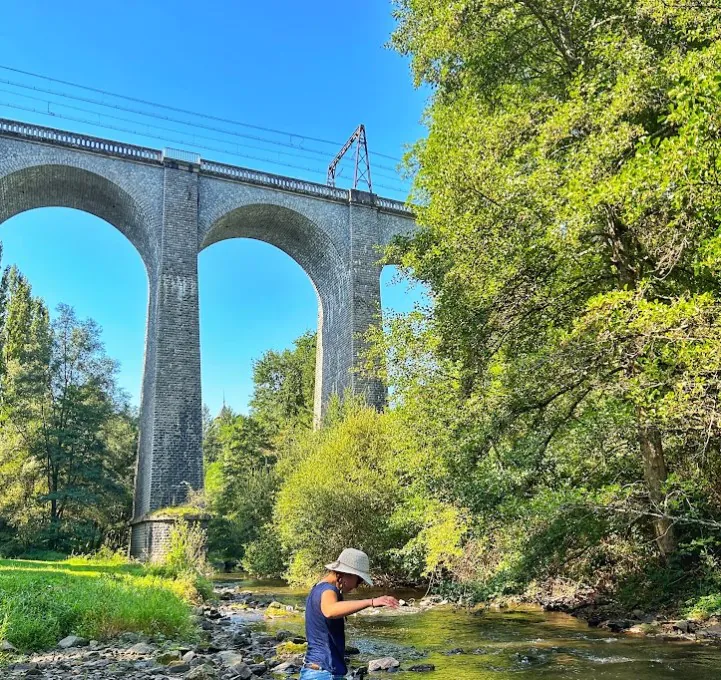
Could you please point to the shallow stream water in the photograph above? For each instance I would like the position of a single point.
(505, 644)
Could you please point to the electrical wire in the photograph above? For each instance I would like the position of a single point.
(140, 134)
(315, 171)
(153, 116)
(190, 142)
(146, 102)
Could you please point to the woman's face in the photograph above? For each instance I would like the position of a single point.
(350, 582)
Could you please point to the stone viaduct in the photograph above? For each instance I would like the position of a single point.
(170, 205)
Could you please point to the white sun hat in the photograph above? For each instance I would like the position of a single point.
(352, 561)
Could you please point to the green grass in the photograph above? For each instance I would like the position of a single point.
(42, 602)
(704, 607)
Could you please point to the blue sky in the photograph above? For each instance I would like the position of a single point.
(313, 69)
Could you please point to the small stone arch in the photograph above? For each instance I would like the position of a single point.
(314, 251)
(66, 186)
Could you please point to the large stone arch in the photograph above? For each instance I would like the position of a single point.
(67, 186)
(314, 251)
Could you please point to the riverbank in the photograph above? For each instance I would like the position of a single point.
(255, 630)
(600, 610)
(43, 603)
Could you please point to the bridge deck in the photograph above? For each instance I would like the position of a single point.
(107, 147)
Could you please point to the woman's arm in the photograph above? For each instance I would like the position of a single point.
(332, 608)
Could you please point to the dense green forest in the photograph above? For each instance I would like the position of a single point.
(569, 200)
(554, 410)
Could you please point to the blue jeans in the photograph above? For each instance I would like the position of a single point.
(310, 674)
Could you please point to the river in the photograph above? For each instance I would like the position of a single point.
(507, 644)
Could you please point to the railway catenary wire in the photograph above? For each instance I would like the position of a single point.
(194, 135)
(107, 126)
(167, 107)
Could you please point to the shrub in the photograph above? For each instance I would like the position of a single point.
(705, 607)
(338, 494)
(265, 556)
(186, 561)
(186, 550)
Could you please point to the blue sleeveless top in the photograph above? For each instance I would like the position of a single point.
(326, 637)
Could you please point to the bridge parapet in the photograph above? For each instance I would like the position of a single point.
(84, 142)
(275, 181)
(393, 205)
(299, 186)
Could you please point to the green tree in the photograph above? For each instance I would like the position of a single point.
(240, 454)
(66, 427)
(284, 384)
(568, 214)
(240, 483)
(212, 446)
(25, 352)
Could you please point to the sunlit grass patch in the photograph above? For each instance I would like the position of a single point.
(704, 607)
(42, 602)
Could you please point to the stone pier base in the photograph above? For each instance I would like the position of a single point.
(150, 536)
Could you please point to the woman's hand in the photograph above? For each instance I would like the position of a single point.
(386, 601)
(332, 608)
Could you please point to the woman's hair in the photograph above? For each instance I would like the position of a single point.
(339, 580)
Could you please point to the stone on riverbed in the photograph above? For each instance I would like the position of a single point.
(167, 658)
(177, 668)
(241, 670)
(685, 626)
(385, 663)
(6, 646)
(204, 672)
(141, 648)
(72, 641)
(711, 632)
(286, 668)
(230, 658)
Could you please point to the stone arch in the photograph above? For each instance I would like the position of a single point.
(65, 186)
(313, 250)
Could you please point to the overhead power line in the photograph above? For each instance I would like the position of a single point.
(179, 121)
(194, 135)
(103, 125)
(176, 109)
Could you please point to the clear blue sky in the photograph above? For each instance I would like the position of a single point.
(314, 69)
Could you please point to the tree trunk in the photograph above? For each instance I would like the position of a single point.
(627, 258)
(655, 473)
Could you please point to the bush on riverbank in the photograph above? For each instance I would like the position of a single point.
(185, 559)
(41, 602)
(351, 483)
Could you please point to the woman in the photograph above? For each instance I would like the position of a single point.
(325, 612)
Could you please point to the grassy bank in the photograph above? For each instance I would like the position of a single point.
(42, 602)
